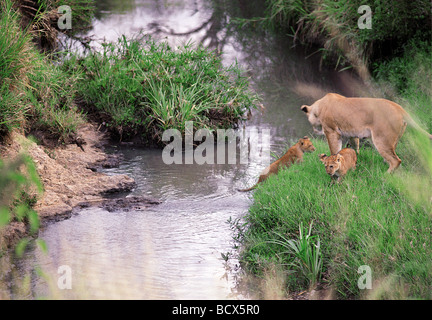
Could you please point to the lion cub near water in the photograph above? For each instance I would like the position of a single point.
(293, 155)
(337, 165)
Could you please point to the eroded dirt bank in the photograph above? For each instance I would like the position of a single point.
(70, 178)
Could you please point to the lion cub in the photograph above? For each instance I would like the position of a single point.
(337, 165)
(293, 155)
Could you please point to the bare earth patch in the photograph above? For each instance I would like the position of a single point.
(69, 177)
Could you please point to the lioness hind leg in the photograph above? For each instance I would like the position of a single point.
(387, 151)
(355, 144)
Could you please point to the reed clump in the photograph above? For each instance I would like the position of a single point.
(140, 88)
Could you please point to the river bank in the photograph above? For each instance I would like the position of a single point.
(70, 178)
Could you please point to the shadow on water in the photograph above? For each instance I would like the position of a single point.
(175, 250)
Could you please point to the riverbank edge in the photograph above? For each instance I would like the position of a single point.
(71, 179)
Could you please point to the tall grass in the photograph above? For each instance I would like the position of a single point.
(143, 87)
(305, 252)
(15, 63)
(35, 93)
(41, 18)
(333, 25)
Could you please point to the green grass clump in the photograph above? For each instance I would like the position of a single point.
(19, 187)
(52, 98)
(15, 56)
(35, 94)
(143, 87)
(365, 220)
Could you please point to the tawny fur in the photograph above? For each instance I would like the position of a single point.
(384, 121)
(293, 155)
(337, 165)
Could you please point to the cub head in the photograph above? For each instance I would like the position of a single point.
(306, 145)
(332, 163)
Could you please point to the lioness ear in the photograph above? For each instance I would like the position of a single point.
(322, 157)
(305, 108)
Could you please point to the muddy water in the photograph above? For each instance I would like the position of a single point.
(174, 250)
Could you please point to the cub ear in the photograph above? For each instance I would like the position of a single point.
(305, 108)
(306, 137)
(338, 157)
(322, 157)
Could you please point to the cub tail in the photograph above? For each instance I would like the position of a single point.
(248, 189)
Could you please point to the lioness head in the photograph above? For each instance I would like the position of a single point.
(306, 145)
(313, 118)
(332, 163)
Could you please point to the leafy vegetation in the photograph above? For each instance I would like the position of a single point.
(142, 87)
(19, 185)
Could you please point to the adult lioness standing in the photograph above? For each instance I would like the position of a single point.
(382, 120)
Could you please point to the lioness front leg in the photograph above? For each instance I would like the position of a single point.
(334, 141)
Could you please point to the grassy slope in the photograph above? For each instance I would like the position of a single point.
(371, 218)
(365, 220)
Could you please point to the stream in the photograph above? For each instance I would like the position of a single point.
(176, 250)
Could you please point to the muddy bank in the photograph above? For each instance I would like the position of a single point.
(70, 178)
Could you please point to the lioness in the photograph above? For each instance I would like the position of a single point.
(384, 121)
(337, 165)
(294, 154)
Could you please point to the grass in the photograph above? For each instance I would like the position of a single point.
(371, 218)
(365, 220)
(304, 253)
(140, 87)
(15, 52)
(35, 93)
(41, 18)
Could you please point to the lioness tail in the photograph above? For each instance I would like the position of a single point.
(414, 124)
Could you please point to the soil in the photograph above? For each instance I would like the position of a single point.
(70, 178)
